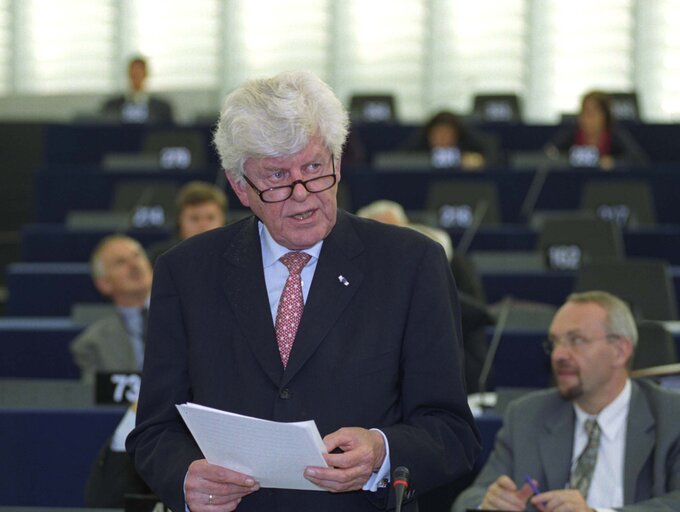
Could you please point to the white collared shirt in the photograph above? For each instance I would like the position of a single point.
(276, 273)
(606, 488)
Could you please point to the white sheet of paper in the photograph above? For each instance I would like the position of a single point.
(273, 453)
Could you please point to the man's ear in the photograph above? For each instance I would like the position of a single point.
(338, 165)
(624, 350)
(239, 188)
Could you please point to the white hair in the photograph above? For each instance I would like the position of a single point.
(278, 116)
(382, 209)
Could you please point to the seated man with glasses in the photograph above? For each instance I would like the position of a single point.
(599, 440)
(303, 312)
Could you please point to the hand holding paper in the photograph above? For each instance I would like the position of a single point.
(206, 485)
(274, 454)
(361, 453)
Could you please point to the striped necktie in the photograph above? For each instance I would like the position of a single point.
(585, 465)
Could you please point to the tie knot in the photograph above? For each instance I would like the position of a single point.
(591, 427)
(295, 261)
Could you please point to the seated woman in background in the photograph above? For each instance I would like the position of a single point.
(596, 140)
(454, 143)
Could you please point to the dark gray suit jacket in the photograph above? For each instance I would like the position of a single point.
(382, 352)
(104, 346)
(537, 439)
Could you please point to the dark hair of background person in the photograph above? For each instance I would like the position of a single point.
(466, 138)
(604, 102)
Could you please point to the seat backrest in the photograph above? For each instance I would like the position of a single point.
(372, 108)
(625, 202)
(496, 108)
(570, 241)
(644, 283)
(656, 346)
(625, 106)
(149, 203)
(457, 202)
(524, 314)
(176, 148)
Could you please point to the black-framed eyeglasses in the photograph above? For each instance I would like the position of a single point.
(312, 185)
(574, 343)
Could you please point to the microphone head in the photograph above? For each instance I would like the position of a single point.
(401, 476)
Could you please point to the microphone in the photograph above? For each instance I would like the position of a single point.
(400, 481)
(534, 190)
(477, 216)
(493, 348)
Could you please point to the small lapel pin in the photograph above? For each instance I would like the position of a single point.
(343, 280)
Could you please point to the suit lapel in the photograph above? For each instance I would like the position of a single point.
(556, 444)
(336, 280)
(244, 286)
(640, 435)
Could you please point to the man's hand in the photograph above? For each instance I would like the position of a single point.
(363, 453)
(566, 500)
(504, 495)
(210, 488)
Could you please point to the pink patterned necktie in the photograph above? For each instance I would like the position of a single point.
(291, 304)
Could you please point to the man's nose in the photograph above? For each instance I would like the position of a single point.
(300, 193)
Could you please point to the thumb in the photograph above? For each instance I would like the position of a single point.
(525, 492)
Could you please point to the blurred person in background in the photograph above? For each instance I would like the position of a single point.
(596, 140)
(200, 206)
(446, 134)
(137, 105)
(122, 272)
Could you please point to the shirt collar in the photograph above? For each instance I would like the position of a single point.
(611, 419)
(272, 251)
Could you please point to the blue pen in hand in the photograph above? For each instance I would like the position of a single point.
(533, 486)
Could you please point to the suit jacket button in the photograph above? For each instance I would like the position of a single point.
(285, 394)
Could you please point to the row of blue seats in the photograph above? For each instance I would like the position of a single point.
(88, 143)
(54, 242)
(48, 452)
(37, 348)
(50, 289)
(64, 189)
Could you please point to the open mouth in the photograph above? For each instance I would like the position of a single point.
(303, 215)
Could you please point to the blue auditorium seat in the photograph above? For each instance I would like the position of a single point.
(549, 286)
(47, 453)
(37, 348)
(54, 242)
(48, 289)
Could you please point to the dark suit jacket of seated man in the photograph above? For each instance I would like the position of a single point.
(378, 344)
(537, 439)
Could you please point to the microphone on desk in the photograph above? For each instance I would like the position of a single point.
(534, 190)
(468, 235)
(400, 482)
(503, 314)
